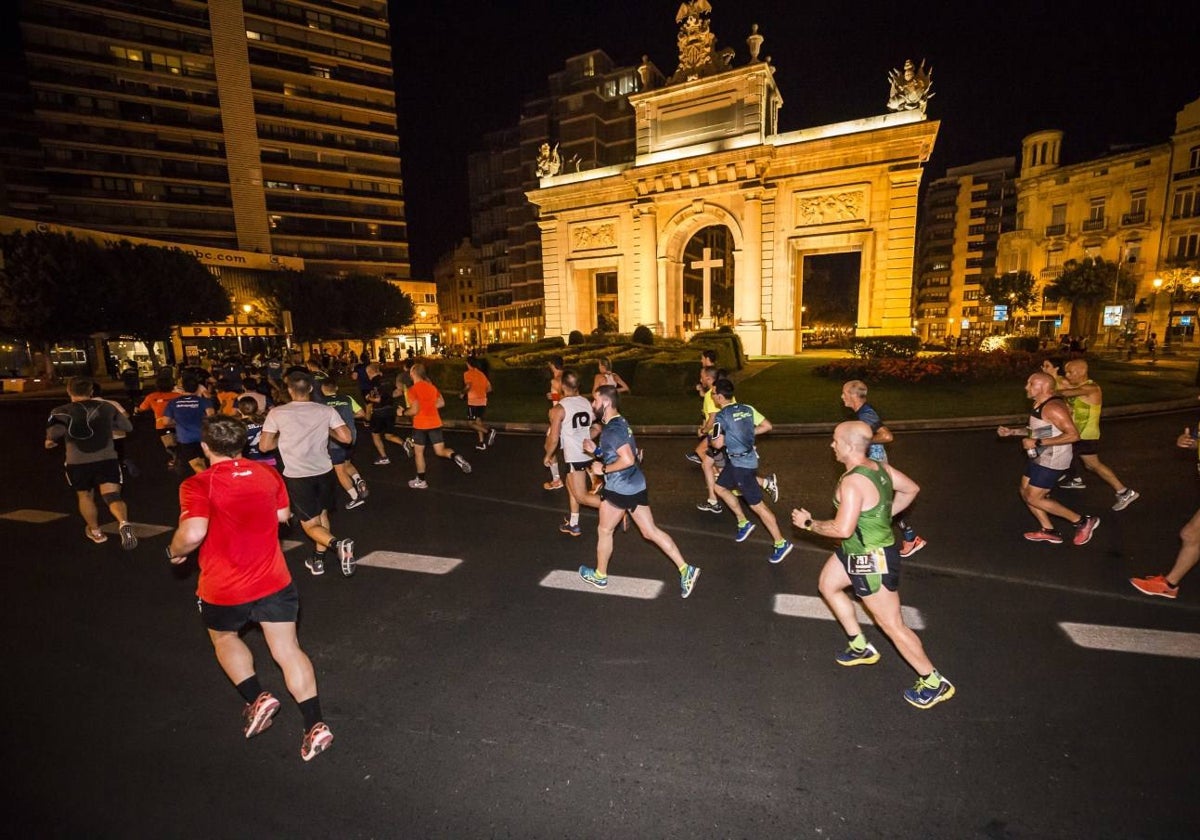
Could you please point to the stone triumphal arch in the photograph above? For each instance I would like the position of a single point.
(709, 154)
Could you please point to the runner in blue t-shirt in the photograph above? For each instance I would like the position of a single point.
(188, 411)
(624, 492)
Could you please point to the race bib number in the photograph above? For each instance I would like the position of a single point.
(874, 563)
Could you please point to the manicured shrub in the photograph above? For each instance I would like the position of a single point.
(643, 335)
(885, 347)
(576, 337)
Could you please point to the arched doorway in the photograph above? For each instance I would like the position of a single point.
(708, 278)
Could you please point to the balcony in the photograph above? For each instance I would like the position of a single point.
(1057, 230)
(1186, 174)
(1093, 225)
(1134, 218)
(1052, 273)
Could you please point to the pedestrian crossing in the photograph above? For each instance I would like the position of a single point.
(423, 563)
(808, 606)
(37, 517)
(1133, 640)
(622, 587)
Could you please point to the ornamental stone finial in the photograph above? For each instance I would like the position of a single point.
(698, 54)
(911, 87)
(754, 42)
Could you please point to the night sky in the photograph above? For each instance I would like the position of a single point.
(1001, 70)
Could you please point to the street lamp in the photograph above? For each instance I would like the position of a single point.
(1173, 285)
(422, 315)
(246, 310)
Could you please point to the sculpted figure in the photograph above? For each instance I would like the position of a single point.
(910, 87)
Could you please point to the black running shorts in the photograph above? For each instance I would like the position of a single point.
(629, 503)
(90, 476)
(311, 495)
(427, 437)
(865, 585)
(282, 606)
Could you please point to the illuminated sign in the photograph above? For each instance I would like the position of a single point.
(1000, 313)
(226, 331)
(1112, 315)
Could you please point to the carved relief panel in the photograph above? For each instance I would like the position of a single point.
(590, 236)
(834, 206)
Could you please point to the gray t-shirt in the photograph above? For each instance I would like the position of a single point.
(303, 428)
(87, 429)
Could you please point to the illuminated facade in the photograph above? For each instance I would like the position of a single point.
(962, 217)
(1110, 207)
(709, 154)
(262, 126)
(460, 295)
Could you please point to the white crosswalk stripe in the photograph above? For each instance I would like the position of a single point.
(36, 517)
(423, 563)
(622, 587)
(1133, 640)
(810, 606)
(140, 529)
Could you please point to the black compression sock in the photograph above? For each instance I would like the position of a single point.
(250, 688)
(311, 709)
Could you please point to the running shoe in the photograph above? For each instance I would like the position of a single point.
(922, 696)
(553, 485)
(1085, 529)
(687, 580)
(258, 716)
(407, 446)
(418, 484)
(910, 547)
(361, 486)
(567, 528)
(780, 552)
(345, 554)
(315, 565)
(462, 464)
(128, 538)
(771, 485)
(1048, 535)
(1073, 484)
(1125, 499)
(851, 657)
(589, 574)
(693, 457)
(744, 530)
(382, 462)
(711, 507)
(491, 437)
(316, 741)
(355, 503)
(1155, 585)
(95, 536)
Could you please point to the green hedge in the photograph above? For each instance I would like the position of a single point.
(727, 343)
(664, 376)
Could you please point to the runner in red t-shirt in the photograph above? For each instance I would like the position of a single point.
(424, 400)
(232, 512)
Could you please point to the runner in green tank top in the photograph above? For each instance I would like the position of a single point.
(867, 496)
(1086, 399)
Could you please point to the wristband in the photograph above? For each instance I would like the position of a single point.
(170, 555)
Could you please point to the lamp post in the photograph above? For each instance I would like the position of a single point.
(246, 310)
(1173, 285)
(421, 313)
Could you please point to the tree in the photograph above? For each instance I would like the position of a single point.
(361, 306)
(1015, 289)
(372, 305)
(157, 288)
(1087, 285)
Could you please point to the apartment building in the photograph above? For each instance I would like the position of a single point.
(263, 126)
(962, 217)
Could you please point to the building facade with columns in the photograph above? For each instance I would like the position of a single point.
(709, 154)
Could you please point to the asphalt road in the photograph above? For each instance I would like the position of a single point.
(480, 703)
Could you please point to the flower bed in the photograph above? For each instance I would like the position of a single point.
(944, 367)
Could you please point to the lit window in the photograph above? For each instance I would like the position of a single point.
(253, 36)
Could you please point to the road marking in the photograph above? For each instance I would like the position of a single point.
(809, 606)
(1133, 640)
(140, 529)
(288, 545)
(423, 563)
(37, 517)
(624, 587)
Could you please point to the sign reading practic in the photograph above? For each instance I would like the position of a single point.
(226, 331)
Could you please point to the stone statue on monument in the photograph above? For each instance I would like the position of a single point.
(754, 42)
(548, 161)
(911, 87)
(698, 55)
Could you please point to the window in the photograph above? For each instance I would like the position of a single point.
(318, 70)
(127, 55)
(1185, 205)
(1054, 258)
(1058, 214)
(166, 63)
(606, 293)
(1137, 202)
(971, 294)
(1096, 210)
(1194, 158)
(1185, 247)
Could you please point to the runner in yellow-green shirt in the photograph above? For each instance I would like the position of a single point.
(1085, 399)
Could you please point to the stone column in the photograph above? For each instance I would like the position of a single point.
(747, 282)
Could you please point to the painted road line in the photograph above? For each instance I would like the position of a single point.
(809, 606)
(37, 517)
(140, 529)
(423, 563)
(288, 545)
(1133, 640)
(623, 587)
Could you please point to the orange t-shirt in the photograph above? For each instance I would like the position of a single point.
(227, 400)
(477, 386)
(425, 394)
(157, 402)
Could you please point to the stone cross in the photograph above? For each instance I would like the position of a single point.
(706, 265)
